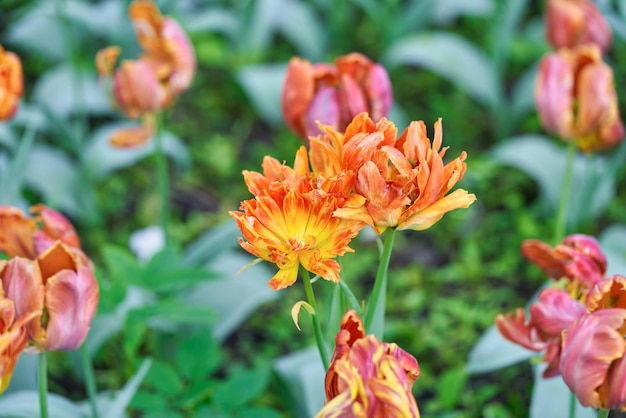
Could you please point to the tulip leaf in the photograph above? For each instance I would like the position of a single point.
(54, 175)
(25, 404)
(613, 243)
(551, 398)
(210, 244)
(450, 56)
(593, 176)
(302, 374)
(493, 352)
(65, 90)
(101, 158)
(263, 85)
(234, 295)
(214, 19)
(120, 402)
(447, 10)
(298, 23)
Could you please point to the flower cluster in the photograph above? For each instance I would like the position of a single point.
(368, 378)
(334, 94)
(575, 89)
(48, 291)
(367, 175)
(149, 84)
(579, 322)
(11, 84)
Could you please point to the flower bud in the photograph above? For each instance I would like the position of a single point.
(137, 89)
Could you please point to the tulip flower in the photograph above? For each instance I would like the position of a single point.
(576, 99)
(554, 312)
(13, 333)
(368, 378)
(290, 221)
(334, 94)
(147, 85)
(49, 274)
(592, 362)
(11, 84)
(578, 258)
(404, 181)
(570, 23)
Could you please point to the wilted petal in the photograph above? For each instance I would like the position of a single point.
(513, 327)
(131, 137)
(16, 233)
(137, 89)
(71, 302)
(106, 59)
(56, 226)
(589, 348)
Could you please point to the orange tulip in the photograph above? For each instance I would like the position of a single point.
(368, 378)
(404, 181)
(334, 94)
(290, 221)
(576, 99)
(570, 23)
(11, 84)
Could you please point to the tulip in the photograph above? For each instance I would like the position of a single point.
(554, 312)
(578, 258)
(13, 334)
(11, 84)
(576, 99)
(61, 289)
(334, 94)
(368, 378)
(570, 23)
(136, 89)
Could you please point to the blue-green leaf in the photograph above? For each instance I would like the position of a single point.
(493, 352)
(613, 243)
(263, 85)
(551, 398)
(120, 402)
(25, 404)
(450, 56)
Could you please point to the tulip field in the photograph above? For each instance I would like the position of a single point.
(312, 209)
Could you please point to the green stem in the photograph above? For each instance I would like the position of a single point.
(561, 218)
(12, 179)
(319, 337)
(43, 385)
(603, 413)
(572, 405)
(375, 311)
(90, 380)
(162, 176)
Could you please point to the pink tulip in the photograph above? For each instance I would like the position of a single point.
(570, 23)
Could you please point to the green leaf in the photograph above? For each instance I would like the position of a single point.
(120, 402)
(51, 173)
(25, 404)
(164, 379)
(166, 312)
(258, 413)
(241, 387)
(101, 158)
(198, 355)
(263, 84)
(54, 90)
(121, 265)
(298, 23)
(613, 245)
(165, 273)
(149, 401)
(593, 177)
(450, 385)
(134, 331)
(450, 56)
(302, 375)
(447, 10)
(212, 243)
(233, 296)
(493, 352)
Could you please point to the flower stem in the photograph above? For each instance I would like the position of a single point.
(561, 218)
(572, 405)
(43, 385)
(603, 413)
(162, 175)
(90, 380)
(319, 337)
(375, 311)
